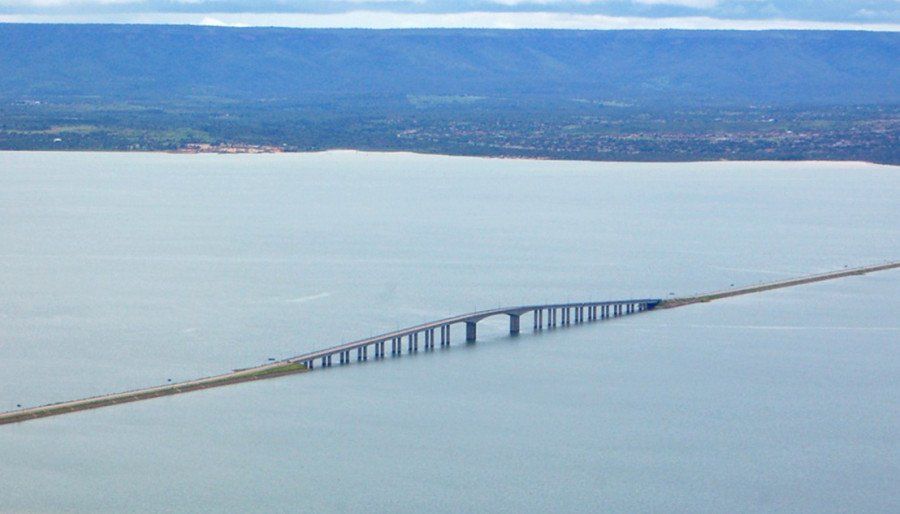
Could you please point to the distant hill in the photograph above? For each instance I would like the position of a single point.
(159, 63)
(598, 95)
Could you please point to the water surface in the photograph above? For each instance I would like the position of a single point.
(125, 270)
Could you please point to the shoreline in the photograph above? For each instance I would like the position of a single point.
(345, 151)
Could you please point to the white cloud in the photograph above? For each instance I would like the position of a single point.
(695, 4)
(215, 22)
(513, 3)
(497, 20)
(381, 1)
(40, 4)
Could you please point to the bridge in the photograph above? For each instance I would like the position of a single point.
(542, 316)
(435, 332)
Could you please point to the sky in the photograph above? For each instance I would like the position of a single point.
(575, 14)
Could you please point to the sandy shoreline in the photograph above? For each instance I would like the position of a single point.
(352, 151)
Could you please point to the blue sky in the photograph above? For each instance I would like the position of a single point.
(751, 14)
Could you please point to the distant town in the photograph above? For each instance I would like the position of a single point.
(867, 133)
(227, 148)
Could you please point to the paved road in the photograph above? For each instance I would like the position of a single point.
(808, 279)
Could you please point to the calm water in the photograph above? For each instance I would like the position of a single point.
(123, 270)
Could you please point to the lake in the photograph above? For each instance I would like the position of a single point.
(124, 270)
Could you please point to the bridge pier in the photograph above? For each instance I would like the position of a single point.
(513, 324)
(470, 330)
(551, 315)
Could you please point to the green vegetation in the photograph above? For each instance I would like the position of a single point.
(292, 367)
(487, 127)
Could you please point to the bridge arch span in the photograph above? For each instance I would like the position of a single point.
(439, 331)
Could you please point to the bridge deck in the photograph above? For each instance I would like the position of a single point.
(462, 318)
